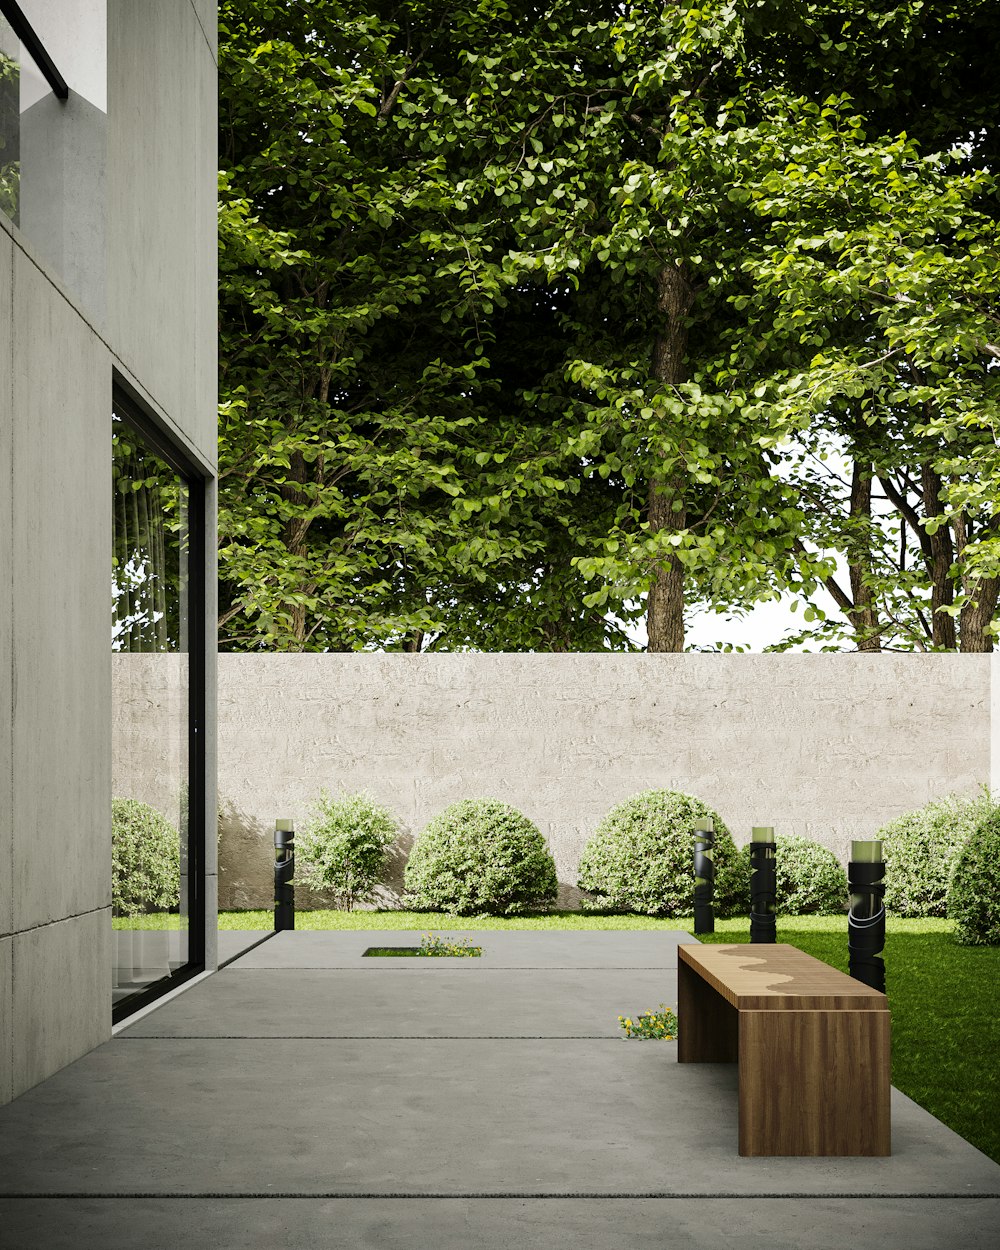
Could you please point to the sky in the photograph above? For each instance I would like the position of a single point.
(764, 625)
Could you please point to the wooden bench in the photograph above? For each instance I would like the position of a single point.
(812, 1046)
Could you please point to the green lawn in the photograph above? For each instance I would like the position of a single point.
(152, 921)
(945, 1023)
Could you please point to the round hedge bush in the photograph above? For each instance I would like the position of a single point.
(974, 891)
(145, 859)
(640, 858)
(810, 879)
(480, 855)
(920, 850)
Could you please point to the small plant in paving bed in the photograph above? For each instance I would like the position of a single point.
(660, 1024)
(974, 892)
(433, 945)
(640, 858)
(480, 855)
(430, 945)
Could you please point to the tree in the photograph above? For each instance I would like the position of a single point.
(885, 260)
(519, 297)
(924, 72)
(372, 489)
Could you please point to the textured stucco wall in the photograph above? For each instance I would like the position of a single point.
(830, 746)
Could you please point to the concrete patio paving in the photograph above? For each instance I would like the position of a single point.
(307, 1096)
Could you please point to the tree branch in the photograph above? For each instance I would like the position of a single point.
(389, 101)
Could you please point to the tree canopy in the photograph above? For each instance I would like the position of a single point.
(536, 318)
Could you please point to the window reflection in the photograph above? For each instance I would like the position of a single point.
(150, 712)
(10, 121)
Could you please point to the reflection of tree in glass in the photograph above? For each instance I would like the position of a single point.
(134, 583)
(10, 120)
(149, 548)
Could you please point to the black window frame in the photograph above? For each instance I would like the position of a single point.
(128, 403)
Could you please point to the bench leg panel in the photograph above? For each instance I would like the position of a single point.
(707, 1028)
(814, 1082)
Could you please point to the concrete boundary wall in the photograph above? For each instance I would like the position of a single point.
(829, 746)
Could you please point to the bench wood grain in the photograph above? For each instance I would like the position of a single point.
(812, 1044)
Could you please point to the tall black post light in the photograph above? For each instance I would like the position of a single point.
(763, 884)
(704, 874)
(866, 919)
(284, 874)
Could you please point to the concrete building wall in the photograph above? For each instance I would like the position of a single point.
(828, 746)
(63, 148)
(119, 277)
(162, 173)
(57, 699)
(6, 665)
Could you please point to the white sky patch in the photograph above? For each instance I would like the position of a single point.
(762, 626)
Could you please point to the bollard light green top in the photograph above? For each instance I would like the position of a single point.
(762, 833)
(867, 852)
(704, 824)
(284, 826)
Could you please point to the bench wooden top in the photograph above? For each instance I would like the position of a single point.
(778, 977)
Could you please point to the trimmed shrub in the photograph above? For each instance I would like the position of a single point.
(480, 855)
(920, 851)
(145, 859)
(974, 890)
(640, 858)
(810, 879)
(344, 846)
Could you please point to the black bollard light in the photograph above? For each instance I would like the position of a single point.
(704, 875)
(866, 919)
(284, 874)
(763, 884)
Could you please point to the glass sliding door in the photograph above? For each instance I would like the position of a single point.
(157, 914)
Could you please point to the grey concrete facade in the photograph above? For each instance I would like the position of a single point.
(163, 170)
(827, 746)
(98, 290)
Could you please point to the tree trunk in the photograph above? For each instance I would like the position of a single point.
(413, 641)
(863, 616)
(294, 533)
(665, 605)
(977, 614)
(981, 595)
(942, 556)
